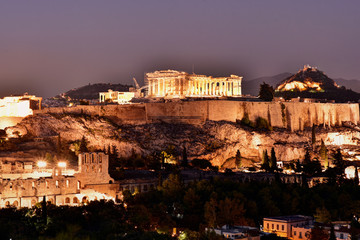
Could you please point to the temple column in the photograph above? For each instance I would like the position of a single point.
(149, 87)
(206, 87)
(158, 87)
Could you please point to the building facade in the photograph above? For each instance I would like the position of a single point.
(91, 182)
(175, 84)
(285, 226)
(116, 96)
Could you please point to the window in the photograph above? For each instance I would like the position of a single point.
(277, 226)
(67, 200)
(78, 185)
(57, 184)
(300, 236)
(272, 226)
(267, 225)
(294, 233)
(75, 200)
(282, 227)
(341, 236)
(67, 183)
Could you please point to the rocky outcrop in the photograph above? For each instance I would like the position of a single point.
(215, 141)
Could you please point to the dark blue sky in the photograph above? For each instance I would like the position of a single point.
(48, 47)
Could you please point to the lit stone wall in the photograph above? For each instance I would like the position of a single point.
(291, 115)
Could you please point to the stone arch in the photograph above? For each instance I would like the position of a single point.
(84, 200)
(67, 200)
(51, 200)
(33, 202)
(15, 203)
(75, 200)
(7, 204)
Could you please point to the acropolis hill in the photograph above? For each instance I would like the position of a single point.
(208, 126)
(212, 133)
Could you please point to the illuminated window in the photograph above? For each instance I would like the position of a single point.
(57, 184)
(78, 185)
(67, 183)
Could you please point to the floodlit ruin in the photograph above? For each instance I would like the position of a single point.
(19, 106)
(116, 96)
(175, 84)
(24, 184)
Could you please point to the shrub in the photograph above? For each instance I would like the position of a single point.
(262, 123)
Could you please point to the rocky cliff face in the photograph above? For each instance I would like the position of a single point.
(215, 141)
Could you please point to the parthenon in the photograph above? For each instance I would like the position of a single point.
(173, 84)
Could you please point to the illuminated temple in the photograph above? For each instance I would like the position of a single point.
(176, 84)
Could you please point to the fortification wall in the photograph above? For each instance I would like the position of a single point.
(291, 115)
(134, 113)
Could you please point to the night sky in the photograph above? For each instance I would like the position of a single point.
(48, 47)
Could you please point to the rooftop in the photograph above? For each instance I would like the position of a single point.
(290, 218)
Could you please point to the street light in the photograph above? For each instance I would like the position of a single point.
(41, 164)
(62, 164)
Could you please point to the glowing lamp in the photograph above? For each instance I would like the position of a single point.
(41, 164)
(62, 164)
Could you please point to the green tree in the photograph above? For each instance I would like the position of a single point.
(172, 188)
(313, 136)
(211, 209)
(273, 160)
(238, 159)
(266, 92)
(185, 162)
(307, 158)
(322, 215)
(83, 145)
(266, 162)
(324, 153)
(339, 164)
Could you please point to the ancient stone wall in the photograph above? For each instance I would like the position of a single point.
(134, 113)
(291, 115)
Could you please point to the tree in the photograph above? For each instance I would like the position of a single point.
(265, 165)
(266, 92)
(332, 233)
(307, 158)
(238, 159)
(83, 145)
(356, 176)
(323, 153)
(339, 164)
(322, 215)
(313, 136)
(185, 162)
(272, 164)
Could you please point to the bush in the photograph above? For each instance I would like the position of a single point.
(262, 123)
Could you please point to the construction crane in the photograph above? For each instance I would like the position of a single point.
(138, 88)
